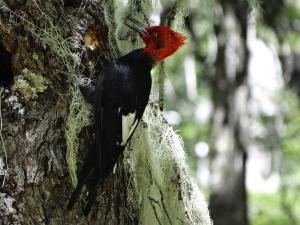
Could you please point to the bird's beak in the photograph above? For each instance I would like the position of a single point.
(136, 26)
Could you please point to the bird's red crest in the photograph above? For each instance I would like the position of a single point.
(161, 42)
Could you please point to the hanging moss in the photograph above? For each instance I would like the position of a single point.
(255, 7)
(79, 116)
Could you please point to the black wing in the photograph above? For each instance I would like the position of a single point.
(119, 99)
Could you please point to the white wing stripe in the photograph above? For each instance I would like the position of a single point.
(128, 127)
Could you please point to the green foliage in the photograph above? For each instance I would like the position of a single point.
(291, 11)
(290, 140)
(265, 209)
(283, 207)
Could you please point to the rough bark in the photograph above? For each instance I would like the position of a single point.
(36, 183)
(229, 122)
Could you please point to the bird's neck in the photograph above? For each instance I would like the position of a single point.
(157, 55)
(139, 57)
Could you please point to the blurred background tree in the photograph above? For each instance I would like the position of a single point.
(235, 100)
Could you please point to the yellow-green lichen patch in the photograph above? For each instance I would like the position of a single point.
(29, 84)
(35, 56)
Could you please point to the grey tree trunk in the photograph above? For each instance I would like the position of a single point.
(229, 123)
(35, 181)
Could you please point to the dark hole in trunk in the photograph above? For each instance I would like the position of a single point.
(72, 3)
(6, 74)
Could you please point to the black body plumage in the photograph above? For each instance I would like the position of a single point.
(122, 90)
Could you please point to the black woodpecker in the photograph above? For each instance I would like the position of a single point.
(119, 99)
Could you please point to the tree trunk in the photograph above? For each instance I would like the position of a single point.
(35, 180)
(229, 123)
(48, 48)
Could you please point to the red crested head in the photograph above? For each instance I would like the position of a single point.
(160, 41)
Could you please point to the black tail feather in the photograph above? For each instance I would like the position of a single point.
(92, 194)
(78, 188)
(84, 177)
